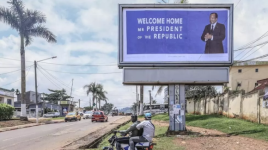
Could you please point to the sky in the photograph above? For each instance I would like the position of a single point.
(87, 33)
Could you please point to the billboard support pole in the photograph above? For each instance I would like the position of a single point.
(176, 108)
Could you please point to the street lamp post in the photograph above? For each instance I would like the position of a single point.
(36, 96)
(150, 101)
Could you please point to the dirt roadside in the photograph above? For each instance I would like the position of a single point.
(206, 139)
(96, 133)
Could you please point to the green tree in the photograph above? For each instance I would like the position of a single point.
(134, 107)
(97, 91)
(29, 24)
(107, 107)
(101, 96)
(198, 92)
(56, 95)
(88, 108)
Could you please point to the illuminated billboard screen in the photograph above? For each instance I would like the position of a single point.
(168, 35)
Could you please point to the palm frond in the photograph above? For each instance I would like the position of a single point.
(33, 17)
(41, 31)
(159, 90)
(17, 7)
(28, 40)
(8, 17)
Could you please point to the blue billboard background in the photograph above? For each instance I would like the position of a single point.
(193, 26)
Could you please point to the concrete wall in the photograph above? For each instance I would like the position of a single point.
(234, 105)
(190, 106)
(249, 106)
(263, 112)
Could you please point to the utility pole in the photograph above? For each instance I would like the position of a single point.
(150, 101)
(36, 96)
(137, 101)
(71, 96)
(89, 101)
(79, 103)
(141, 99)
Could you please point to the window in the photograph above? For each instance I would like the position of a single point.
(256, 84)
(239, 70)
(9, 101)
(97, 113)
(238, 84)
(256, 70)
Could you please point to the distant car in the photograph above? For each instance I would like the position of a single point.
(99, 116)
(81, 114)
(72, 116)
(52, 114)
(128, 113)
(88, 115)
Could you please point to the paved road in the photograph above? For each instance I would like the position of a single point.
(48, 137)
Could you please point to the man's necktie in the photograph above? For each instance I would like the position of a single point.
(211, 29)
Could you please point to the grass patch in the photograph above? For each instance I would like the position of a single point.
(221, 123)
(161, 117)
(105, 141)
(229, 125)
(160, 138)
(58, 118)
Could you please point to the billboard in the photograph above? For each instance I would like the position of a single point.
(175, 35)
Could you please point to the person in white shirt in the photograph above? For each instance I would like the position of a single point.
(148, 132)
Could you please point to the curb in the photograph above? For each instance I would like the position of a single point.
(84, 145)
(100, 139)
(28, 126)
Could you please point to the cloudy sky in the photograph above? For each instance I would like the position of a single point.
(87, 35)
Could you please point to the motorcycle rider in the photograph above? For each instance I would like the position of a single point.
(132, 128)
(148, 131)
(132, 131)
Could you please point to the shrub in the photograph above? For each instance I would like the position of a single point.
(6, 111)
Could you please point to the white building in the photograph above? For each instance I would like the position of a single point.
(7, 96)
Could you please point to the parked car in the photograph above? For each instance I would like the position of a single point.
(99, 116)
(88, 115)
(72, 116)
(51, 114)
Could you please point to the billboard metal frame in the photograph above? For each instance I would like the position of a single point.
(122, 64)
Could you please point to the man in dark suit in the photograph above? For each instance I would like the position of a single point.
(213, 35)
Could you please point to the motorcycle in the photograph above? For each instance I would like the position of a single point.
(123, 143)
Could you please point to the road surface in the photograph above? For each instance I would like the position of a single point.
(50, 136)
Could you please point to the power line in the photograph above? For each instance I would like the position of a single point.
(9, 67)
(80, 65)
(64, 64)
(263, 56)
(251, 53)
(48, 78)
(20, 78)
(251, 46)
(14, 71)
(54, 77)
(82, 73)
(259, 38)
(13, 59)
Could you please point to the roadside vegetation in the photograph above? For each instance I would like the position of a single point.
(231, 126)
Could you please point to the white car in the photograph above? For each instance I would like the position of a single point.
(52, 114)
(88, 115)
